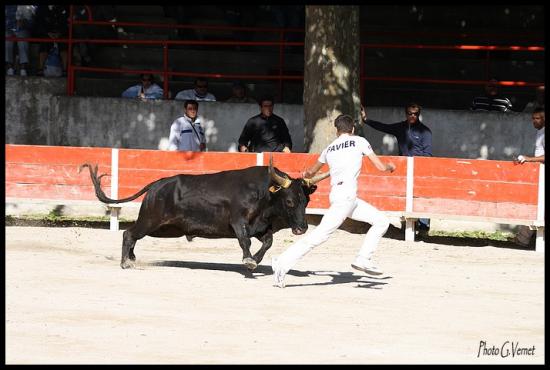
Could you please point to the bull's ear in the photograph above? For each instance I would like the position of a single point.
(308, 189)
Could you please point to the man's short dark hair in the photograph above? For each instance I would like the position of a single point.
(266, 98)
(344, 123)
(201, 79)
(413, 105)
(151, 77)
(192, 102)
(538, 110)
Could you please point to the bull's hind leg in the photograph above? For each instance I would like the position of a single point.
(128, 243)
(129, 239)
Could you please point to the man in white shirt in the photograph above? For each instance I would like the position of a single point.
(198, 93)
(344, 157)
(147, 89)
(186, 132)
(524, 234)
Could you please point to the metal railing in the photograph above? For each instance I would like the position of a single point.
(281, 44)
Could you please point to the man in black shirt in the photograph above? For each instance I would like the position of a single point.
(265, 132)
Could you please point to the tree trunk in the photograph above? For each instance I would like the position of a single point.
(331, 71)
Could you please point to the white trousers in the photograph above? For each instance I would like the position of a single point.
(342, 206)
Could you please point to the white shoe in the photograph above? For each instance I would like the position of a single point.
(10, 72)
(23, 72)
(367, 266)
(278, 275)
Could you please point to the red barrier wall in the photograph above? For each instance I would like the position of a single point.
(441, 185)
(475, 187)
(51, 172)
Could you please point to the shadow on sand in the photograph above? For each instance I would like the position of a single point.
(347, 277)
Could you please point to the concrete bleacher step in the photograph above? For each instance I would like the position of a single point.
(220, 88)
(139, 10)
(212, 34)
(206, 61)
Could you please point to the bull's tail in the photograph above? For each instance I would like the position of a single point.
(101, 195)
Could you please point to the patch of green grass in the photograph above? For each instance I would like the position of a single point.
(496, 235)
(54, 218)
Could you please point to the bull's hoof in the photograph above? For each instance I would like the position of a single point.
(250, 264)
(127, 264)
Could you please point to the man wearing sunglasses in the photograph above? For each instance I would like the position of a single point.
(413, 139)
(147, 89)
(198, 93)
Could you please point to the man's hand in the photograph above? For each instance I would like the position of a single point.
(243, 148)
(521, 159)
(286, 150)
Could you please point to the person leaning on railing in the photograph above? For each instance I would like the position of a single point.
(51, 21)
(147, 89)
(524, 235)
(414, 139)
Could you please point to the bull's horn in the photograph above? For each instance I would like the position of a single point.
(283, 182)
(316, 179)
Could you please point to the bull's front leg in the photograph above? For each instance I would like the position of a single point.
(243, 235)
(267, 241)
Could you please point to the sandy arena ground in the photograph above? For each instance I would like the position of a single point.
(69, 302)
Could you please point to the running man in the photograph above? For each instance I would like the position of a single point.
(344, 157)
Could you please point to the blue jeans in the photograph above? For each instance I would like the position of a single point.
(424, 223)
(23, 47)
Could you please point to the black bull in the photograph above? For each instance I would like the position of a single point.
(251, 202)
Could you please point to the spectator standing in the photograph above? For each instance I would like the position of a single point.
(186, 133)
(19, 20)
(413, 139)
(51, 21)
(265, 132)
(147, 89)
(344, 157)
(198, 93)
(538, 102)
(524, 235)
(81, 13)
(492, 100)
(239, 94)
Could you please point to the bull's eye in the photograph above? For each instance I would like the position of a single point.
(289, 203)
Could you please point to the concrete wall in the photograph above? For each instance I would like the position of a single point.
(37, 112)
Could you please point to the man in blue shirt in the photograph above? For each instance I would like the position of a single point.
(413, 139)
(147, 89)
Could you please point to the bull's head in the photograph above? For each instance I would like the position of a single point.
(290, 197)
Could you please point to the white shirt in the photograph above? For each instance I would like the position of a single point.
(186, 135)
(344, 157)
(539, 143)
(191, 94)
